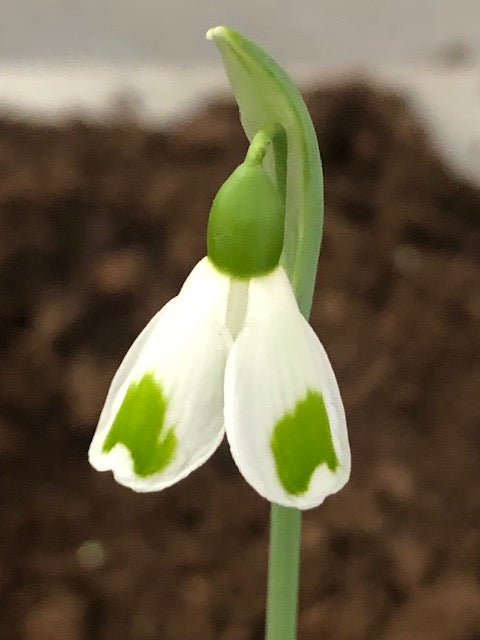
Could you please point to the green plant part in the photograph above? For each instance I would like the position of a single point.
(266, 95)
(245, 227)
(301, 442)
(139, 425)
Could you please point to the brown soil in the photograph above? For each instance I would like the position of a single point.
(99, 226)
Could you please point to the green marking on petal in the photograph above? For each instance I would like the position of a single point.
(139, 424)
(302, 441)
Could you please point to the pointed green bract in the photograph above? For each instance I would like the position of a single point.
(139, 425)
(302, 441)
(266, 96)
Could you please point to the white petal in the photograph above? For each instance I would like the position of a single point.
(183, 352)
(276, 363)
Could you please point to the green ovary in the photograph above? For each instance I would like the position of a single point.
(302, 441)
(245, 226)
(139, 424)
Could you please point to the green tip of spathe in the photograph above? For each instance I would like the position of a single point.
(217, 33)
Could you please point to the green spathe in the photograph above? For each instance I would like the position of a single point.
(245, 227)
(265, 94)
(302, 441)
(139, 424)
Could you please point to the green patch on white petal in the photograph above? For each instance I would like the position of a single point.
(302, 441)
(139, 424)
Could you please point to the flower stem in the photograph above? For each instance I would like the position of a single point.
(261, 141)
(283, 573)
(265, 95)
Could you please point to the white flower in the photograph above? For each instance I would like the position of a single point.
(236, 355)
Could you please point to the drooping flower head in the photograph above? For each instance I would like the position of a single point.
(230, 354)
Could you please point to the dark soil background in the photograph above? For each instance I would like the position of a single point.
(99, 225)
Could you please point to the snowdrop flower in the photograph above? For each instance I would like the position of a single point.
(231, 353)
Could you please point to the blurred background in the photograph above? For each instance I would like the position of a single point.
(116, 130)
(302, 31)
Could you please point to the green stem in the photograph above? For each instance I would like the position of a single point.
(283, 573)
(261, 141)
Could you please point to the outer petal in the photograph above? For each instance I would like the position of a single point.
(163, 416)
(284, 417)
